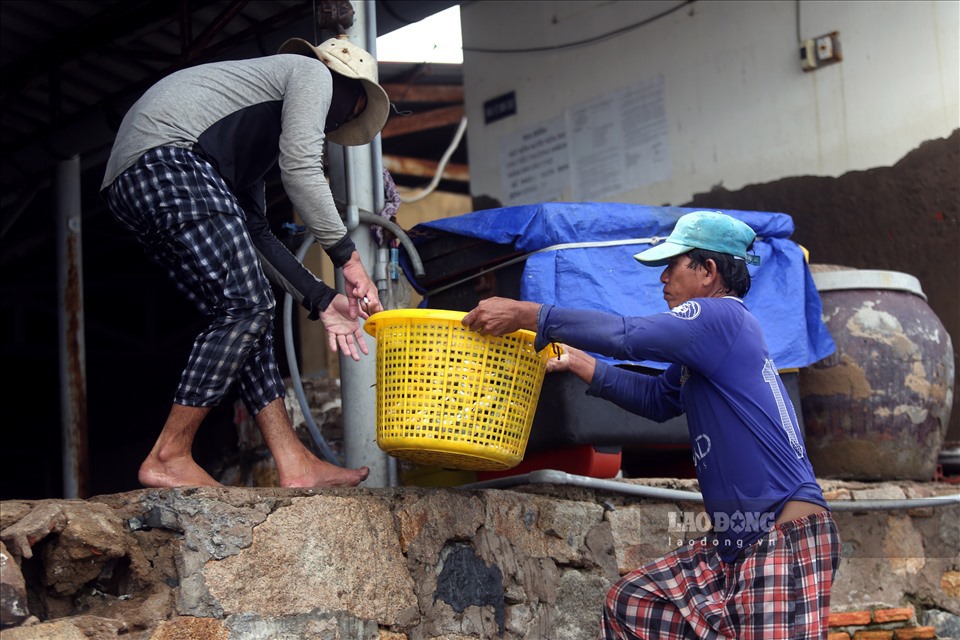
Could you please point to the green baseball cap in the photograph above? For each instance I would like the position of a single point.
(710, 230)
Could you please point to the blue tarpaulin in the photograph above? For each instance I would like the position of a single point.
(607, 278)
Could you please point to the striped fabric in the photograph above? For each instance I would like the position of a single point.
(192, 225)
(779, 588)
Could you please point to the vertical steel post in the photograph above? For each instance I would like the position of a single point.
(357, 379)
(376, 177)
(73, 375)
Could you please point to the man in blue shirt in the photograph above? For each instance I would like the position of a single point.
(766, 568)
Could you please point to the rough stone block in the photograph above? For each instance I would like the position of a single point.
(950, 583)
(426, 523)
(540, 527)
(946, 623)
(642, 533)
(13, 590)
(836, 494)
(55, 630)
(184, 627)
(579, 605)
(92, 538)
(885, 492)
(45, 518)
(323, 568)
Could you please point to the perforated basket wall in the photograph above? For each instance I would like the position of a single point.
(449, 397)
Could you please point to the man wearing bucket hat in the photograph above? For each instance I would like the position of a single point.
(186, 176)
(765, 568)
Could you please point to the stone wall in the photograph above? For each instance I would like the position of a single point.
(398, 564)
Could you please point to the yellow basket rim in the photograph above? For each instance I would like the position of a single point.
(370, 326)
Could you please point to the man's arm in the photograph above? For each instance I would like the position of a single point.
(283, 268)
(500, 316)
(654, 397)
(306, 102)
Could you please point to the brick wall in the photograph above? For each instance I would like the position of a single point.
(878, 624)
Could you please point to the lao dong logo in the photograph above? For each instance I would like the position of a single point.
(738, 522)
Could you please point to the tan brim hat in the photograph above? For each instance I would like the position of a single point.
(343, 57)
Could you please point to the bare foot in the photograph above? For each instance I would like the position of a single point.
(314, 472)
(174, 472)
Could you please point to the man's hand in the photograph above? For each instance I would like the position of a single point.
(577, 362)
(500, 316)
(343, 332)
(364, 299)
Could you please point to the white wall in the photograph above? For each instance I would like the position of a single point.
(738, 107)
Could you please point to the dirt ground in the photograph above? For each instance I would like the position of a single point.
(902, 218)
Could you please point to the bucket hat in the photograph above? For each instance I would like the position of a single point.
(343, 57)
(710, 230)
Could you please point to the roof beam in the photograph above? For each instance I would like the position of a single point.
(400, 165)
(434, 119)
(423, 92)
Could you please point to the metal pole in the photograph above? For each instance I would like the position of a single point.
(73, 375)
(357, 379)
(376, 168)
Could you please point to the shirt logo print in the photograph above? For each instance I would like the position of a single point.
(700, 448)
(689, 310)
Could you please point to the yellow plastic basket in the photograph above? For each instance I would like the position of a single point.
(449, 397)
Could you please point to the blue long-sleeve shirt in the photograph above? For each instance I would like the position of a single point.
(746, 442)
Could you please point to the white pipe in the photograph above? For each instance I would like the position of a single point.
(440, 167)
(376, 164)
(550, 476)
(353, 211)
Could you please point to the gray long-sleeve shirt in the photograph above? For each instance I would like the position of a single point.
(243, 116)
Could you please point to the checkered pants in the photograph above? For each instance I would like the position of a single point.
(778, 589)
(190, 224)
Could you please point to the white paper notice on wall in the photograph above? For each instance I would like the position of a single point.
(596, 149)
(618, 142)
(535, 163)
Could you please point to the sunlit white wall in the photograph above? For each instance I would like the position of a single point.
(738, 107)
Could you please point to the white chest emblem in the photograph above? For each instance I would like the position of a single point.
(686, 311)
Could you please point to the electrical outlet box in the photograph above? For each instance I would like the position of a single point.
(820, 51)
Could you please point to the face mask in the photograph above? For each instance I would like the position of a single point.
(346, 93)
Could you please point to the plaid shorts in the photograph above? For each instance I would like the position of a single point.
(190, 224)
(779, 588)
